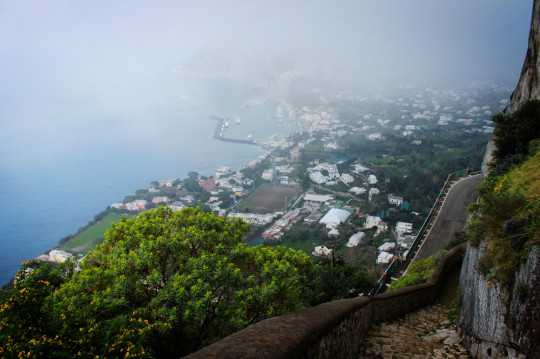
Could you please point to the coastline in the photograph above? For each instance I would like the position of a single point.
(44, 257)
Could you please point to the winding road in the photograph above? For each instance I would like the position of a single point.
(452, 216)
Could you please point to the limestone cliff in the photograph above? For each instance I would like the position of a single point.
(493, 322)
(528, 87)
(496, 321)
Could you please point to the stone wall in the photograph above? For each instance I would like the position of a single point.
(330, 330)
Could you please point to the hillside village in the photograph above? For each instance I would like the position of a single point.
(358, 178)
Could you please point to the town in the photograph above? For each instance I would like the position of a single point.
(356, 180)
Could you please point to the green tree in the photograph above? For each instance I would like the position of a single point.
(192, 185)
(27, 328)
(334, 279)
(513, 132)
(166, 283)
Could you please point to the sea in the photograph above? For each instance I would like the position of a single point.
(86, 155)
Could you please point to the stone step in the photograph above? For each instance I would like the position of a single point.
(424, 334)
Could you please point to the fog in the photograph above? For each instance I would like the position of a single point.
(119, 59)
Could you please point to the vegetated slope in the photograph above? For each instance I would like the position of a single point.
(500, 277)
(162, 284)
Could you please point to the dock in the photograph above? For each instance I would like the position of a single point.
(219, 133)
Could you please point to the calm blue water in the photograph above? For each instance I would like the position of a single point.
(55, 179)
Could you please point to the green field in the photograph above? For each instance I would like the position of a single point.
(91, 236)
(381, 161)
(268, 198)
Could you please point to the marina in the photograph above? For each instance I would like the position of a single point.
(219, 132)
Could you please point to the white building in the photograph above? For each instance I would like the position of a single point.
(357, 190)
(375, 136)
(372, 179)
(359, 168)
(157, 200)
(384, 258)
(177, 206)
(347, 178)
(373, 191)
(55, 256)
(117, 205)
(355, 239)
(405, 240)
(403, 228)
(267, 174)
(386, 247)
(223, 171)
(321, 251)
(326, 198)
(331, 146)
(333, 232)
(254, 218)
(334, 217)
(318, 177)
(395, 200)
(372, 221)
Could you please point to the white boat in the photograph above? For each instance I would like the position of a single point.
(237, 120)
(226, 123)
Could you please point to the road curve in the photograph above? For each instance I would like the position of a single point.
(452, 216)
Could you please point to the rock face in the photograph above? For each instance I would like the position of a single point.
(494, 322)
(528, 87)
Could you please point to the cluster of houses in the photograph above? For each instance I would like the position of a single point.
(279, 227)
(421, 108)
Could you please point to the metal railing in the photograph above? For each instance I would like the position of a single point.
(385, 276)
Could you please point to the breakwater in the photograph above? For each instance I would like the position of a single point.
(219, 132)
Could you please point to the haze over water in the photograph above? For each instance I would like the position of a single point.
(99, 98)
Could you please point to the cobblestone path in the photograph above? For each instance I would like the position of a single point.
(424, 334)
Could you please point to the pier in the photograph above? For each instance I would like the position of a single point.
(219, 133)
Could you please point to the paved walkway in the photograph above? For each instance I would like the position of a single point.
(426, 333)
(452, 216)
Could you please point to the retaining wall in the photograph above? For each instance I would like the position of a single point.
(334, 329)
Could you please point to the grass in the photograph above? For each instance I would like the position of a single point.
(93, 235)
(381, 161)
(357, 203)
(508, 218)
(268, 198)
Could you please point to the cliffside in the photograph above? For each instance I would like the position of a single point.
(499, 317)
(528, 87)
(493, 322)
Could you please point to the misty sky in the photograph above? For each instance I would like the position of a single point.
(91, 44)
(62, 56)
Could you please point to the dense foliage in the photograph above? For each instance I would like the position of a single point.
(334, 279)
(162, 284)
(419, 271)
(507, 217)
(515, 131)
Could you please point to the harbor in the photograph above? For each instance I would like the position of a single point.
(219, 132)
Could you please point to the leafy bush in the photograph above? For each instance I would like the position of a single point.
(162, 284)
(515, 131)
(418, 272)
(507, 215)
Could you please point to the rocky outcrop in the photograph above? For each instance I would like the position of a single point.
(528, 87)
(499, 321)
(496, 322)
